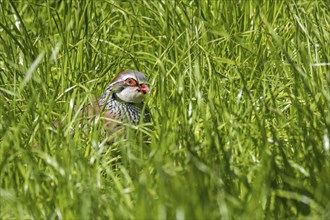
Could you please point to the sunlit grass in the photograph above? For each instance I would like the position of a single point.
(240, 109)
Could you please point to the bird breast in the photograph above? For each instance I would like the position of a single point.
(122, 111)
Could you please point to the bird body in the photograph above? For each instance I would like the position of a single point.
(123, 99)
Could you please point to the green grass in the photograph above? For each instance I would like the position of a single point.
(240, 108)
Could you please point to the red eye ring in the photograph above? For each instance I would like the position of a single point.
(131, 82)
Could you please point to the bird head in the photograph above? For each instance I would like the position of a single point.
(130, 86)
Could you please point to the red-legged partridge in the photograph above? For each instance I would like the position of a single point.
(123, 99)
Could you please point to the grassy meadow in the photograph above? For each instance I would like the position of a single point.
(240, 110)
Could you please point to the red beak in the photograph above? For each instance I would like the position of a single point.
(144, 89)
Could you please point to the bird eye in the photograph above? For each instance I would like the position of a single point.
(131, 82)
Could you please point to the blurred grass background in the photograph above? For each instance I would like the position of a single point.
(240, 109)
